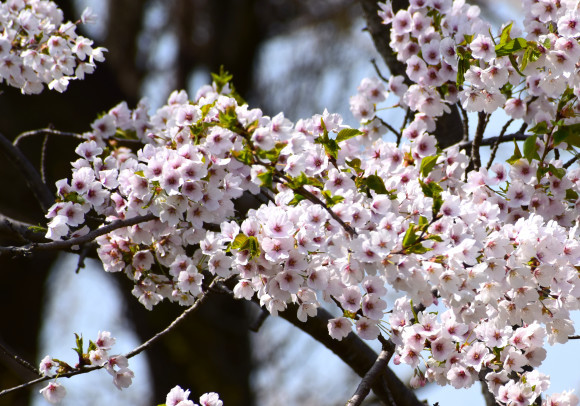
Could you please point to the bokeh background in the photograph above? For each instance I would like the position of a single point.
(295, 56)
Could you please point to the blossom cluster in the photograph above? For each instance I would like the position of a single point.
(97, 355)
(451, 55)
(343, 215)
(180, 397)
(38, 47)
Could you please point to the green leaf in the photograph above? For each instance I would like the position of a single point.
(510, 47)
(568, 134)
(505, 34)
(516, 156)
(38, 229)
(427, 165)
(375, 183)
(410, 237)
(540, 128)
(331, 200)
(557, 172)
(431, 189)
(354, 164)
(531, 149)
(245, 156)
(347, 133)
(244, 243)
(423, 222)
(571, 195)
(418, 249)
(462, 67)
(296, 199)
(437, 203)
(435, 237)
(239, 242)
(266, 178)
(221, 79)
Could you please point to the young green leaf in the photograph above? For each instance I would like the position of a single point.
(427, 165)
(347, 133)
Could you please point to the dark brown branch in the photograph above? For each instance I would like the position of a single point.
(35, 184)
(371, 376)
(19, 360)
(357, 355)
(19, 230)
(62, 245)
(390, 127)
(449, 130)
(481, 124)
(496, 144)
(486, 142)
(571, 161)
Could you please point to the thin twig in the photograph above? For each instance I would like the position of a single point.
(571, 161)
(19, 229)
(487, 142)
(61, 245)
(45, 132)
(130, 354)
(379, 74)
(475, 157)
(33, 180)
(465, 120)
(19, 360)
(496, 144)
(371, 376)
(310, 196)
(43, 159)
(390, 127)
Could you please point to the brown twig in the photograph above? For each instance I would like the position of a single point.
(19, 359)
(481, 124)
(45, 132)
(571, 161)
(390, 127)
(33, 180)
(310, 196)
(61, 245)
(487, 142)
(496, 144)
(130, 354)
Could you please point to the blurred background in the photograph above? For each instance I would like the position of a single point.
(295, 56)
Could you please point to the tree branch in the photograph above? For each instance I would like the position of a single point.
(130, 354)
(357, 355)
(45, 132)
(61, 245)
(449, 130)
(481, 124)
(371, 376)
(40, 190)
(19, 229)
(487, 142)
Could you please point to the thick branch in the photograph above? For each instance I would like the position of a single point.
(62, 245)
(371, 377)
(35, 184)
(15, 229)
(357, 355)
